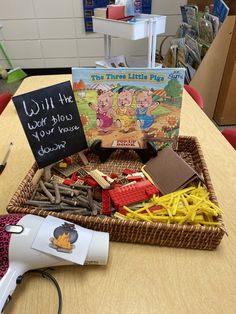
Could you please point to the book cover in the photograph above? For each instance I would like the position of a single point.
(220, 9)
(127, 107)
(205, 31)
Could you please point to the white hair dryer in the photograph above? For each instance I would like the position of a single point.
(17, 233)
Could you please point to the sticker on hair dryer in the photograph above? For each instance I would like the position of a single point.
(63, 239)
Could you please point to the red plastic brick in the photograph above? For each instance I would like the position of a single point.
(114, 175)
(128, 171)
(117, 185)
(90, 181)
(106, 202)
(134, 193)
(74, 176)
(68, 182)
(134, 178)
(68, 160)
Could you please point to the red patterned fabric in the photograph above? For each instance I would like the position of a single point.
(5, 239)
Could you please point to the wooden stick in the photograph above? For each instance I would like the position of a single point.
(90, 200)
(47, 173)
(37, 203)
(61, 208)
(65, 192)
(84, 193)
(83, 202)
(40, 198)
(70, 201)
(56, 192)
(45, 190)
(35, 191)
(80, 186)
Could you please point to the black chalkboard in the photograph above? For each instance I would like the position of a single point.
(51, 122)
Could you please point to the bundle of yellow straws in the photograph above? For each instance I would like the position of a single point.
(188, 206)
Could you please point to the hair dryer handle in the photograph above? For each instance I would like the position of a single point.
(8, 284)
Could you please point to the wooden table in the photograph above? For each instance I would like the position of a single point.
(138, 278)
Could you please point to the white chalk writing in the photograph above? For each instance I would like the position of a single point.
(37, 124)
(34, 107)
(48, 149)
(61, 118)
(51, 122)
(41, 134)
(63, 99)
(68, 129)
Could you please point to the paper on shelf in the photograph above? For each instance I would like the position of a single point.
(125, 62)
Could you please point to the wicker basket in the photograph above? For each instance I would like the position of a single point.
(174, 235)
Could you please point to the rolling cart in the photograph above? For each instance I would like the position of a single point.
(145, 26)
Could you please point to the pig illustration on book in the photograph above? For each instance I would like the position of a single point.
(104, 110)
(125, 112)
(144, 107)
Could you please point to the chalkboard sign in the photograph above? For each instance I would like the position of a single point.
(51, 122)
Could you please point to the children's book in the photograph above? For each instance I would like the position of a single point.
(214, 21)
(220, 9)
(205, 31)
(125, 108)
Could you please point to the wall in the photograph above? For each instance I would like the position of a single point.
(50, 33)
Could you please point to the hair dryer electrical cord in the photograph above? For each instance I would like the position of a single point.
(45, 274)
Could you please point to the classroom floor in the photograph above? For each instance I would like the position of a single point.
(4, 87)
